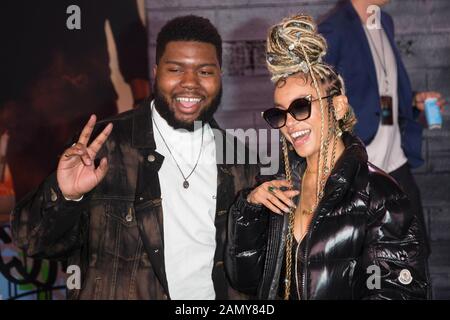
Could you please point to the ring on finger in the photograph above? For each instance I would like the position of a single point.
(272, 189)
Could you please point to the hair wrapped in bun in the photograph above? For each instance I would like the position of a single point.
(294, 46)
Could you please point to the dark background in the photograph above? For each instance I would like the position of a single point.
(52, 78)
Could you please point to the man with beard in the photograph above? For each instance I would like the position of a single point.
(139, 202)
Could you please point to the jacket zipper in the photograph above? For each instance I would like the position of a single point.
(305, 265)
(296, 271)
(300, 288)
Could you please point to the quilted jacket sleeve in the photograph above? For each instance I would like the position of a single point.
(394, 258)
(246, 245)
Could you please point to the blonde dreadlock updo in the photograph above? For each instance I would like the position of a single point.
(294, 46)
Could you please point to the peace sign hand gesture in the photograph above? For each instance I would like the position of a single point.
(76, 173)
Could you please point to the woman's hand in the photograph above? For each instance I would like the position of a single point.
(270, 195)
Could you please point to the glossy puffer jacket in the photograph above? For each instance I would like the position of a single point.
(363, 241)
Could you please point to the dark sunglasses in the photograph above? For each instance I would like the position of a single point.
(300, 109)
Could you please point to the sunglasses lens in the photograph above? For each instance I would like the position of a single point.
(275, 117)
(300, 109)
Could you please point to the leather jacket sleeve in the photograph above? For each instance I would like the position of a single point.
(246, 245)
(45, 225)
(394, 250)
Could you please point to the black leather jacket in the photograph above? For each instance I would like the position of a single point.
(363, 220)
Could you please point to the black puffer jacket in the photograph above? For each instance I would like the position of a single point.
(363, 220)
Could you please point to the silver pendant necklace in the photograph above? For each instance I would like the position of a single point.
(185, 182)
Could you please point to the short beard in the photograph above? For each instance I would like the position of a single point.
(205, 116)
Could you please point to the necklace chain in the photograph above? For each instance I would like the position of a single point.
(382, 61)
(305, 211)
(185, 183)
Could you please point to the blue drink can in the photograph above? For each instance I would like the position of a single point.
(433, 114)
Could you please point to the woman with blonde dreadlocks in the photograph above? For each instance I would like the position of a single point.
(330, 225)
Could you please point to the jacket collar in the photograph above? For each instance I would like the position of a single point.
(359, 33)
(142, 127)
(346, 168)
(355, 21)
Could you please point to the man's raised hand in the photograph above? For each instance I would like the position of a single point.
(76, 173)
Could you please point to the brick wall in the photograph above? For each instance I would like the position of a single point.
(423, 34)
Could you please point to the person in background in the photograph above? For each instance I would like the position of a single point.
(379, 90)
